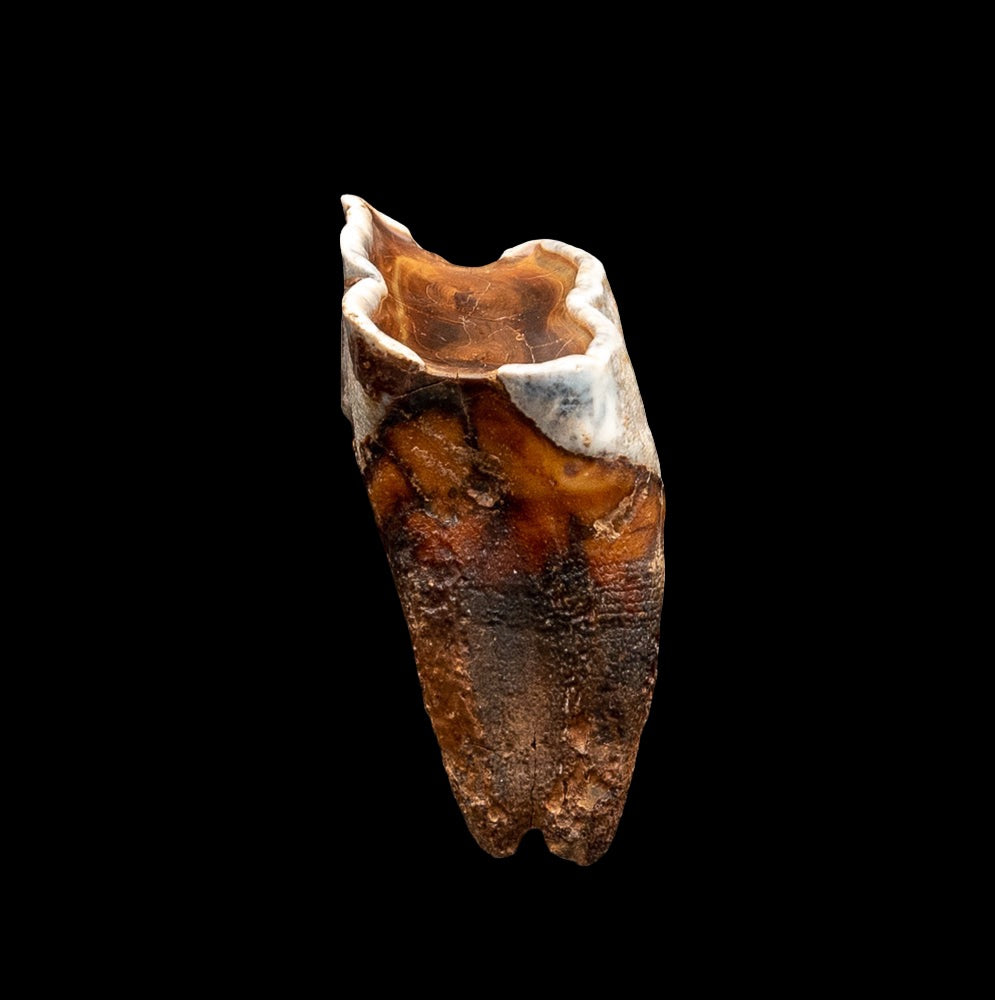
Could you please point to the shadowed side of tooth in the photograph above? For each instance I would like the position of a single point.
(521, 509)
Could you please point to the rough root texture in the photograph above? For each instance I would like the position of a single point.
(532, 582)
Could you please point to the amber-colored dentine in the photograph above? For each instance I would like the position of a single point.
(388, 486)
(476, 318)
(539, 470)
(433, 452)
(482, 478)
(634, 532)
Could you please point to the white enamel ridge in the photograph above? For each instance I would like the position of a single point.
(586, 403)
(362, 299)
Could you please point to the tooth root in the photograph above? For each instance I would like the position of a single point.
(529, 563)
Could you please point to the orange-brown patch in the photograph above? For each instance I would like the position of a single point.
(387, 487)
(476, 318)
(579, 732)
(551, 485)
(431, 447)
(449, 700)
(636, 538)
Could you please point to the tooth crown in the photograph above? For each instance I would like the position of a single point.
(521, 508)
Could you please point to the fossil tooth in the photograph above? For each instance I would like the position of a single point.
(517, 490)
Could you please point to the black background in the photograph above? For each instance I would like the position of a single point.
(316, 764)
(269, 763)
(473, 225)
(703, 778)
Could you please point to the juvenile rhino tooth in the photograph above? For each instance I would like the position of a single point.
(517, 490)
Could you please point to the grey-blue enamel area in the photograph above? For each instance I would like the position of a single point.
(565, 406)
(590, 406)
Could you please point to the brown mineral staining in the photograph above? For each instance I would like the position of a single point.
(543, 474)
(531, 577)
(542, 493)
(632, 536)
(533, 616)
(433, 452)
(388, 486)
(476, 317)
(449, 699)
(458, 542)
